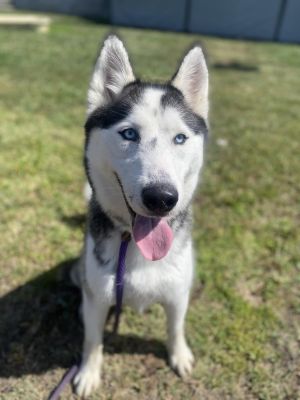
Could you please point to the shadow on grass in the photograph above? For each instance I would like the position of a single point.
(236, 66)
(40, 328)
(74, 221)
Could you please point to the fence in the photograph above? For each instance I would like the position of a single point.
(249, 19)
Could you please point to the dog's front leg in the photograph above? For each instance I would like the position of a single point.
(180, 356)
(94, 317)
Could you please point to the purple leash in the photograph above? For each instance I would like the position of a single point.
(69, 375)
(54, 395)
(120, 278)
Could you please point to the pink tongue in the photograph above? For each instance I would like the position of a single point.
(153, 237)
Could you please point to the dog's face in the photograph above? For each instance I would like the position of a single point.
(145, 140)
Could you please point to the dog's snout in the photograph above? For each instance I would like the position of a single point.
(160, 199)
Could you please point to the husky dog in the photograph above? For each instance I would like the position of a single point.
(143, 153)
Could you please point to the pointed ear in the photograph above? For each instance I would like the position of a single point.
(112, 72)
(192, 80)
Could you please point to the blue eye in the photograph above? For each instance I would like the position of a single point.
(180, 138)
(130, 134)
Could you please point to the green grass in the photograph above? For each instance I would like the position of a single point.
(243, 322)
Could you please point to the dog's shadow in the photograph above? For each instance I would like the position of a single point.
(40, 328)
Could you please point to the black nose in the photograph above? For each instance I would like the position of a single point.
(160, 198)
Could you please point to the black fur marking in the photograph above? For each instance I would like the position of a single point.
(99, 223)
(174, 98)
(98, 251)
(100, 227)
(116, 111)
(182, 220)
(120, 108)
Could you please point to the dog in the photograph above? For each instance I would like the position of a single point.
(143, 154)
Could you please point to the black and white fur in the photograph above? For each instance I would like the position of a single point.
(117, 172)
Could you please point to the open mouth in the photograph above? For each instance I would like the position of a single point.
(153, 235)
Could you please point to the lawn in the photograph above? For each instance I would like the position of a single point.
(244, 320)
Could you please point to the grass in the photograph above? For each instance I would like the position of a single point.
(243, 322)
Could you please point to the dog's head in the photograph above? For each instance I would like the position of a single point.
(144, 146)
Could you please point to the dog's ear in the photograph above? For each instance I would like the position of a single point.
(112, 72)
(192, 80)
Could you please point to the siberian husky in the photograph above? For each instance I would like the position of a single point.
(143, 153)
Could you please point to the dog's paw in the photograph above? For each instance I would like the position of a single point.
(182, 360)
(86, 381)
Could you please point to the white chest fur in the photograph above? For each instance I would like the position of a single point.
(145, 282)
